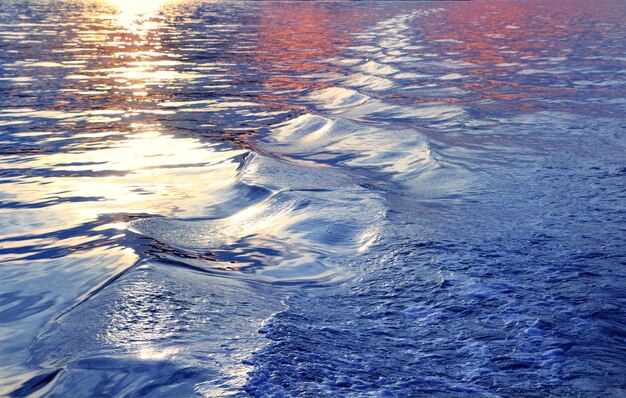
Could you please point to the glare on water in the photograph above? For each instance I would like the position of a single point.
(135, 15)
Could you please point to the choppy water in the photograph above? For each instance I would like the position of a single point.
(316, 199)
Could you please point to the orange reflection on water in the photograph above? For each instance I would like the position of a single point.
(497, 41)
(294, 38)
(492, 34)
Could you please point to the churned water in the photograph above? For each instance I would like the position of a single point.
(312, 199)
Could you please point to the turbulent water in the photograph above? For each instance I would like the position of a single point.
(312, 199)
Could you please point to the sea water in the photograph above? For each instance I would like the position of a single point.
(312, 199)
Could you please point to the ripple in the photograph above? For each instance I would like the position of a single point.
(303, 130)
(338, 97)
(375, 68)
(369, 82)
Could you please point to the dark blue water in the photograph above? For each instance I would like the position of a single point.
(369, 199)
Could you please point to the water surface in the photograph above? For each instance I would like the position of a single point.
(324, 199)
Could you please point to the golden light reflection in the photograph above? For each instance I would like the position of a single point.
(135, 14)
(147, 173)
(121, 162)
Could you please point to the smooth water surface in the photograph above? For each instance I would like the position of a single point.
(312, 199)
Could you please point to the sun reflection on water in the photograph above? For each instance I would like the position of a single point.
(135, 14)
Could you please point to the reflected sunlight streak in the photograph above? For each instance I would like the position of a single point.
(133, 13)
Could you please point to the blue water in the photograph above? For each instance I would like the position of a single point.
(360, 199)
